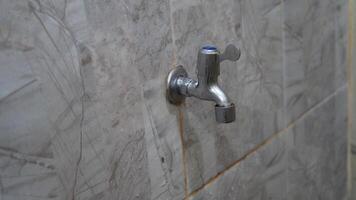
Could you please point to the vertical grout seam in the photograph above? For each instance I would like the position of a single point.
(284, 63)
(180, 112)
(181, 133)
(350, 93)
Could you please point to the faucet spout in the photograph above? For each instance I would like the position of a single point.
(224, 109)
(218, 96)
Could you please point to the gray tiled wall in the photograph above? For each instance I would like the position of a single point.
(83, 113)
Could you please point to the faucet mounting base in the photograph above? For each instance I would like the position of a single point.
(172, 88)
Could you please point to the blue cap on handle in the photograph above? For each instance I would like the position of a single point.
(210, 47)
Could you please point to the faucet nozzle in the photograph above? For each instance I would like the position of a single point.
(225, 114)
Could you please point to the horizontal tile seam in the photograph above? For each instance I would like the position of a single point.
(318, 103)
(265, 142)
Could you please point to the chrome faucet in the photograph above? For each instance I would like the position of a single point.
(179, 85)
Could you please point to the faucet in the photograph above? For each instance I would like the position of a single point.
(179, 85)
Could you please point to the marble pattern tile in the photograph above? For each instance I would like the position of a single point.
(254, 83)
(317, 152)
(314, 52)
(83, 113)
(26, 159)
(164, 146)
(102, 128)
(260, 176)
(307, 161)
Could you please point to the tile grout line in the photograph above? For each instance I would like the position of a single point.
(284, 73)
(181, 133)
(265, 142)
(180, 112)
(235, 163)
(350, 89)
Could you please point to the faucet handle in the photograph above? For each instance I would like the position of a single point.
(231, 53)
